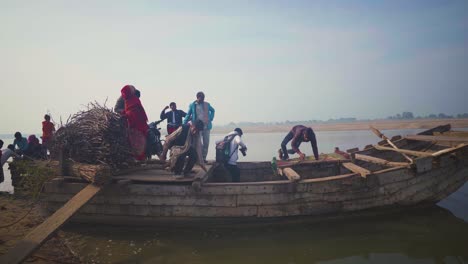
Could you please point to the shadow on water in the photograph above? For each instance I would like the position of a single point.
(422, 235)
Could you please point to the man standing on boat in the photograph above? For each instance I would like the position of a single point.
(201, 110)
(184, 142)
(298, 134)
(174, 117)
(235, 140)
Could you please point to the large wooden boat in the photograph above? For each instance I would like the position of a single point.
(403, 171)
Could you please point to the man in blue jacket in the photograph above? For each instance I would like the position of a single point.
(201, 110)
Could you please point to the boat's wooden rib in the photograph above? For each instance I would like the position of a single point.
(405, 151)
(291, 174)
(356, 169)
(382, 136)
(437, 138)
(379, 161)
(449, 150)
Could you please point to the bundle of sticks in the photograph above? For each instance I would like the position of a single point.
(94, 136)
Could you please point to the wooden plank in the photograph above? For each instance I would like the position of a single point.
(437, 138)
(356, 169)
(382, 136)
(203, 175)
(41, 233)
(443, 128)
(449, 150)
(291, 174)
(405, 151)
(379, 161)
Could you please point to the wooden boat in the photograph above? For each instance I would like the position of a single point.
(403, 171)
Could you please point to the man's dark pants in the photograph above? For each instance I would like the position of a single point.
(192, 158)
(285, 151)
(234, 171)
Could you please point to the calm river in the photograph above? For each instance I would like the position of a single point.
(430, 235)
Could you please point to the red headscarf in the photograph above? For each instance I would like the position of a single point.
(137, 120)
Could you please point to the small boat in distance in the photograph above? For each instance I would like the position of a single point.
(397, 172)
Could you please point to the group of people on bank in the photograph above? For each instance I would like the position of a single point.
(31, 147)
(188, 136)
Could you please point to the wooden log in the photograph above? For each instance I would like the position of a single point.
(291, 174)
(202, 176)
(382, 136)
(379, 161)
(437, 138)
(40, 234)
(356, 169)
(97, 174)
(405, 151)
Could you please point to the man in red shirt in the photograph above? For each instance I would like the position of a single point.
(298, 134)
(48, 130)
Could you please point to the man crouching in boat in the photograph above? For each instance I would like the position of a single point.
(184, 142)
(298, 134)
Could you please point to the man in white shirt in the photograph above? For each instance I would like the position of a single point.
(231, 165)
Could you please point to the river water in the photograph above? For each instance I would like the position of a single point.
(437, 234)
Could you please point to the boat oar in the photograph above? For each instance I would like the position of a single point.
(382, 136)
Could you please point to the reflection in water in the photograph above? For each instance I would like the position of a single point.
(424, 235)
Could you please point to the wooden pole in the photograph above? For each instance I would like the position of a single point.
(382, 136)
(24, 248)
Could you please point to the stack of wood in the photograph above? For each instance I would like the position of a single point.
(94, 136)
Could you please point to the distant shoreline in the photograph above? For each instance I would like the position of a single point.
(357, 125)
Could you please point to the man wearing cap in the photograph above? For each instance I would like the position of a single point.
(236, 141)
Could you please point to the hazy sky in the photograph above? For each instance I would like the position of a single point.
(255, 60)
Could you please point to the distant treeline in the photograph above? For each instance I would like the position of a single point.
(409, 115)
(402, 116)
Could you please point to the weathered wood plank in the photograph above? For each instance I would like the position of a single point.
(166, 211)
(291, 174)
(382, 136)
(171, 200)
(449, 150)
(437, 138)
(40, 234)
(379, 161)
(405, 151)
(356, 169)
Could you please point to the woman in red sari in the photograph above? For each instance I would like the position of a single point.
(136, 120)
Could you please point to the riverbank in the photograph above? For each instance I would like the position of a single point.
(357, 125)
(12, 209)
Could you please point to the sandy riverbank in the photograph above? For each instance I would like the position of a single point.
(358, 125)
(13, 208)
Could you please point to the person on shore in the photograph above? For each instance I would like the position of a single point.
(235, 140)
(202, 110)
(136, 121)
(298, 134)
(34, 148)
(5, 154)
(120, 104)
(2, 177)
(184, 143)
(20, 142)
(174, 117)
(48, 130)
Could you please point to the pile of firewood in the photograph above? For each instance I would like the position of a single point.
(94, 136)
